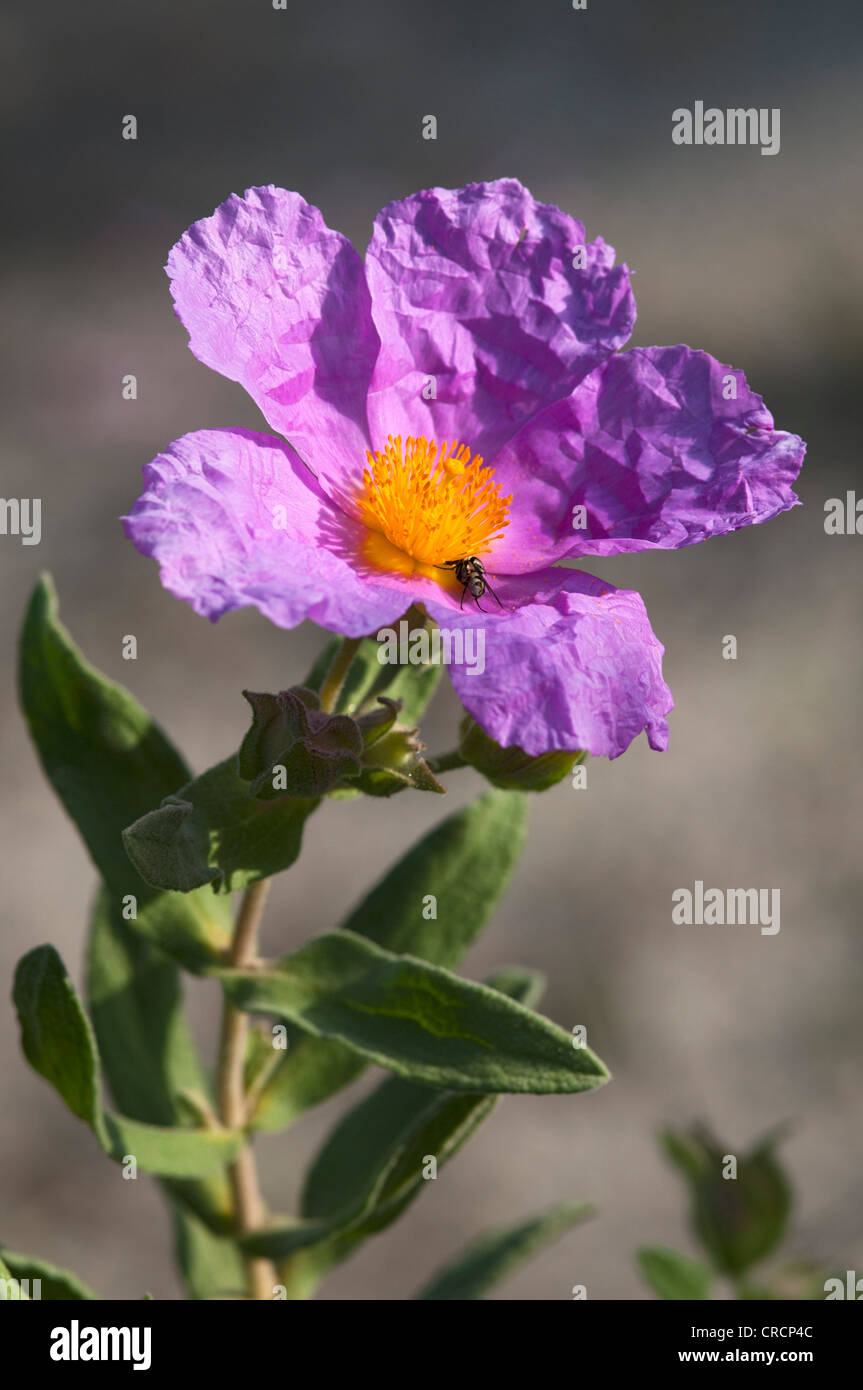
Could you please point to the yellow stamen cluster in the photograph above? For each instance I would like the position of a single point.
(434, 504)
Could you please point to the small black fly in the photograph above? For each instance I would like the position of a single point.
(471, 575)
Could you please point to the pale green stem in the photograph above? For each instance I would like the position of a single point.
(249, 1208)
(446, 762)
(335, 677)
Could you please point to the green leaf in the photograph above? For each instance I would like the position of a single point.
(10, 1289)
(399, 1120)
(59, 1044)
(213, 831)
(135, 1000)
(56, 1036)
(310, 1072)
(672, 1275)
(57, 1284)
(371, 1166)
(96, 743)
(209, 1199)
(109, 764)
(179, 1153)
(493, 1256)
(416, 1019)
(525, 986)
(170, 847)
(212, 1267)
(793, 1281)
(737, 1220)
(459, 870)
(685, 1152)
(313, 750)
(464, 865)
(367, 678)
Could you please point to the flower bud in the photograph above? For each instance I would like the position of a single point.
(511, 768)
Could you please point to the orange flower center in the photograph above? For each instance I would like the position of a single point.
(432, 504)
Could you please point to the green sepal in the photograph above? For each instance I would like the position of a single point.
(510, 768)
(738, 1220)
(378, 720)
(395, 761)
(293, 748)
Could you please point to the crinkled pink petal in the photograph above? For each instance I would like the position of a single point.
(234, 519)
(273, 299)
(579, 668)
(662, 447)
(475, 287)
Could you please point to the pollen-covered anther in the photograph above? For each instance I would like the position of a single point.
(435, 504)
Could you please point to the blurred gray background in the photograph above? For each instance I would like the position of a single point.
(756, 259)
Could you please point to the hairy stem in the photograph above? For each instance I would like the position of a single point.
(249, 1207)
(416, 618)
(339, 667)
(445, 762)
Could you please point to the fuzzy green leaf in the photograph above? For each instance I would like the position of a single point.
(10, 1288)
(458, 871)
(56, 1036)
(96, 743)
(401, 1119)
(57, 1284)
(464, 865)
(135, 1000)
(415, 1019)
(176, 1153)
(211, 1266)
(109, 764)
(310, 1071)
(58, 1042)
(672, 1275)
(492, 1257)
(371, 1167)
(214, 831)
